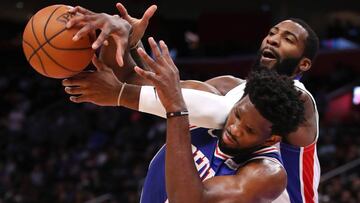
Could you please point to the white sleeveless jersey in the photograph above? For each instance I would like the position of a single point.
(301, 163)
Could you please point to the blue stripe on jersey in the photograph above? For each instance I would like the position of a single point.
(291, 159)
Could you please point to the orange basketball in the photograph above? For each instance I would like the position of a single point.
(48, 45)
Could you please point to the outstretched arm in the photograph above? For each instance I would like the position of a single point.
(102, 87)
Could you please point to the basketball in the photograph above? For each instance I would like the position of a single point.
(48, 44)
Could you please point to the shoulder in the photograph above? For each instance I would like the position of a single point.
(267, 179)
(225, 83)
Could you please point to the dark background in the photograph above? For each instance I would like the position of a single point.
(54, 151)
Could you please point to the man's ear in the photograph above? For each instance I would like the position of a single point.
(272, 140)
(305, 64)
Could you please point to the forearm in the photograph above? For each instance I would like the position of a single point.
(183, 183)
(129, 98)
(206, 109)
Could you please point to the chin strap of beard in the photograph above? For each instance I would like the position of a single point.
(246, 154)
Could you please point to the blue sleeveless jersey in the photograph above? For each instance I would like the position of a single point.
(209, 161)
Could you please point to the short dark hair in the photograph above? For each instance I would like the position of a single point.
(276, 99)
(312, 41)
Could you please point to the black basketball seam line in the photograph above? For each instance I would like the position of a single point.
(40, 47)
(49, 40)
(37, 40)
(42, 65)
(36, 50)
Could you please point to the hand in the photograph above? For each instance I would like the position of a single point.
(100, 87)
(138, 25)
(164, 76)
(110, 25)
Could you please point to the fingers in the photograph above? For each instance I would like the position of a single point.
(79, 9)
(120, 44)
(86, 30)
(80, 99)
(148, 60)
(148, 75)
(77, 20)
(149, 13)
(103, 36)
(123, 12)
(155, 50)
(166, 53)
(74, 90)
(73, 82)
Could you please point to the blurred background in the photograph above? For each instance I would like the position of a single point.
(54, 151)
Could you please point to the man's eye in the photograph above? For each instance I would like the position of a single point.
(289, 40)
(249, 130)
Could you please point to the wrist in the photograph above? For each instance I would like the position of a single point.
(176, 107)
(118, 103)
(177, 114)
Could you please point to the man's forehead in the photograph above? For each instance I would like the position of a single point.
(291, 26)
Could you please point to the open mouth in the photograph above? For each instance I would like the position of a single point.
(269, 54)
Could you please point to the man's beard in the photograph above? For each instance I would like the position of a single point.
(285, 66)
(239, 153)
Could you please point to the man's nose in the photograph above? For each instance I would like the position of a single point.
(235, 128)
(273, 40)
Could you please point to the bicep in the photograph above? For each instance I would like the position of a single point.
(307, 130)
(198, 85)
(258, 181)
(224, 83)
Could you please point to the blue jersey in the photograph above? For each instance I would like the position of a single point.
(209, 160)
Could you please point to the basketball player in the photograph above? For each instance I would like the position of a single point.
(289, 48)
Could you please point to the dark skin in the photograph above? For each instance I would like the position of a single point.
(286, 39)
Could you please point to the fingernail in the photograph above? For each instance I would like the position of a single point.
(67, 89)
(94, 46)
(72, 98)
(75, 38)
(64, 81)
(68, 25)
